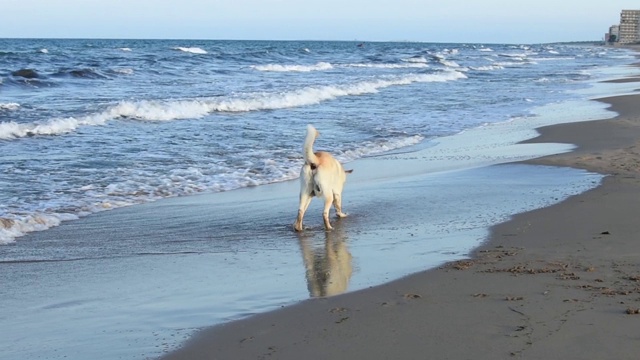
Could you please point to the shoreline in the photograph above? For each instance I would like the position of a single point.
(554, 282)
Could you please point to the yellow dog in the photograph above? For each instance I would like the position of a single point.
(323, 176)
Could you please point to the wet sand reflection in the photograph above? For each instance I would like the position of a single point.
(328, 266)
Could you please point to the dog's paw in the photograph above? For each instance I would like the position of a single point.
(341, 215)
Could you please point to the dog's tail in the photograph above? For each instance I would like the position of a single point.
(307, 151)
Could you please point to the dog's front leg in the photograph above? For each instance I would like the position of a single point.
(328, 200)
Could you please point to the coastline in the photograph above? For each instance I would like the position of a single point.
(556, 282)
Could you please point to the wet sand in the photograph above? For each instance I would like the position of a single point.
(559, 282)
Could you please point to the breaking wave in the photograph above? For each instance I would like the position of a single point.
(192, 50)
(296, 68)
(148, 110)
(409, 65)
(9, 106)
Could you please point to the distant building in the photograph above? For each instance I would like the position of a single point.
(629, 30)
(613, 35)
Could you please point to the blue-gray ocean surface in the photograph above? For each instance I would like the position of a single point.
(89, 125)
(94, 125)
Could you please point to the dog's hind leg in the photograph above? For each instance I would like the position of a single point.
(328, 199)
(337, 204)
(305, 200)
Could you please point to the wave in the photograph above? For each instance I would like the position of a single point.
(375, 148)
(449, 63)
(148, 110)
(417, 65)
(192, 50)
(510, 63)
(321, 66)
(518, 57)
(487, 67)
(125, 49)
(13, 228)
(176, 182)
(44, 51)
(416, 59)
(9, 106)
(294, 68)
(553, 58)
(26, 73)
(85, 73)
(123, 71)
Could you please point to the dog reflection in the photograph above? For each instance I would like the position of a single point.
(328, 268)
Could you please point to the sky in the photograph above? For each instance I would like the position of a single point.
(457, 21)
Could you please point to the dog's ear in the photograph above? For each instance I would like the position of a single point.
(348, 171)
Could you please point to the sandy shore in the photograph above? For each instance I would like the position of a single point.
(561, 282)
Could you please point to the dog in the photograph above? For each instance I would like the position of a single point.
(323, 176)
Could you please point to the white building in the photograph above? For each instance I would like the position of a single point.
(629, 31)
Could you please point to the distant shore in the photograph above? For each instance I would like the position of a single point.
(558, 282)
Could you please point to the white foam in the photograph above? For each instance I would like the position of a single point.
(417, 65)
(294, 68)
(374, 148)
(125, 49)
(11, 228)
(509, 63)
(416, 59)
(554, 58)
(9, 106)
(125, 71)
(315, 95)
(485, 49)
(518, 56)
(148, 110)
(159, 111)
(192, 50)
(449, 63)
(487, 67)
(13, 130)
(44, 51)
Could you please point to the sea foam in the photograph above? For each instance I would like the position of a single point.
(148, 110)
(294, 68)
(417, 65)
(192, 50)
(9, 106)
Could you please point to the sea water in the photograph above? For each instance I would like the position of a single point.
(93, 125)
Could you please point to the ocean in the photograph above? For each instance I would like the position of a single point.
(91, 125)
(88, 126)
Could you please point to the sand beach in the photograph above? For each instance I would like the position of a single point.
(559, 282)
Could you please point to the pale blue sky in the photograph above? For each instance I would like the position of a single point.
(488, 21)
